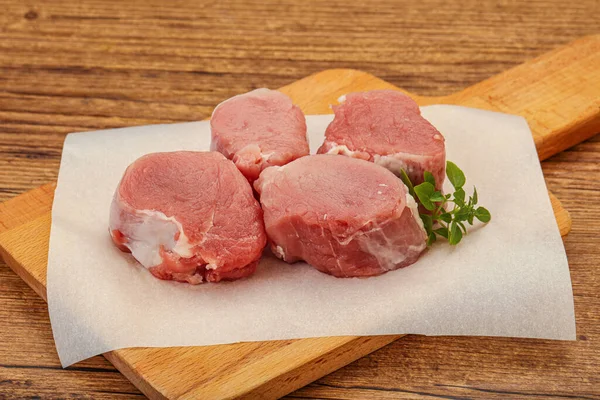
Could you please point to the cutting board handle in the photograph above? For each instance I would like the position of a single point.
(558, 93)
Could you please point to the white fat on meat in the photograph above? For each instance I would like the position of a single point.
(394, 163)
(279, 252)
(343, 150)
(147, 231)
(381, 245)
(388, 254)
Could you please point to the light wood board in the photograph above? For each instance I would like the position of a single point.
(557, 93)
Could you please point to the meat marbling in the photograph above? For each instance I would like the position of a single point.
(259, 129)
(347, 217)
(386, 127)
(188, 216)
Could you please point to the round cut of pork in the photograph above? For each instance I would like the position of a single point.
(259, 129)
(386, 127)
(346, 217)
(189, 217)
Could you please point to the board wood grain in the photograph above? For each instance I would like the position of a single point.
(272, 369)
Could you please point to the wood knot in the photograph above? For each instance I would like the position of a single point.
(31, 15)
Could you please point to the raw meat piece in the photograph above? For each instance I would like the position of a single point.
(259, 129)
(346, 217)
(386, 126)
(189, 217)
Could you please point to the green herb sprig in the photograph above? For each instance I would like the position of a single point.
(443, 221)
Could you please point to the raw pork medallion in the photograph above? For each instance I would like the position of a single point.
(344, 216)
(189, 217)
(386, 127)
(259, 129)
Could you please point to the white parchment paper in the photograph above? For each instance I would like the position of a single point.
(509, 278)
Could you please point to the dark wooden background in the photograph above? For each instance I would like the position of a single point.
(71, 66)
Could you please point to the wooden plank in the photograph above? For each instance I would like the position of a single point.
(272, 369)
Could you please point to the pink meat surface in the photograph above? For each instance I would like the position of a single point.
(188, 216)
(344, 216)
(386, 127)
(259, 129)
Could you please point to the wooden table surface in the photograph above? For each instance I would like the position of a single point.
(73, 66)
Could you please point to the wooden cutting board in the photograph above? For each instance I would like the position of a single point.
(559, 95)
